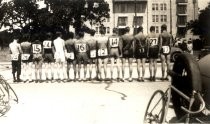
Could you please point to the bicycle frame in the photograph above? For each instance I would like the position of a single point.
(191, 100)
(6, 95)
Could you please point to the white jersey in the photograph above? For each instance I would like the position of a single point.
(59, 45)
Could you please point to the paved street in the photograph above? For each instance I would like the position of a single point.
(81, 102)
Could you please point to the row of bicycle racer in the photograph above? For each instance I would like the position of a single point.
(55, 52)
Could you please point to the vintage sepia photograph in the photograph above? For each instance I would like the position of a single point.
(104, 61)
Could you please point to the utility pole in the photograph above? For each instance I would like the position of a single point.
(135, 19)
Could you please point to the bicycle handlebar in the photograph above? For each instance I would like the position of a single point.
(198, 111)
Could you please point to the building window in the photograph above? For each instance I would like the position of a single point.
(153, 6)
(182, 20)
(156, 29)
(122, 21)
(157, 18)
(163, 18)
(165, 6)
(181, 9)
(156, 6)
(108, 30)
(123, 8)
(153, 18)
(161, 6)
(137, 20)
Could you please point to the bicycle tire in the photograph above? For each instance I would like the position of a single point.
(162, 110)
(189, 80)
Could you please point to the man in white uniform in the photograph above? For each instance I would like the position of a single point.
(59, 56)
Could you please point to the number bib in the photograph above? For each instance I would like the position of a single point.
(25, 56)
(114, 42)
(47, 44)
(93, 53)
(103, 52)
(14, 57)
(166, 49)
(37, 48)
(70, 55)
(154, 41)
(82, 48)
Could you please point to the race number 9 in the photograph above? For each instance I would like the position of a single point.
(166, 49)
(37, 48)
(102, 52)
(81, 47)
(47, 44)
(154, 41)
(114, 42)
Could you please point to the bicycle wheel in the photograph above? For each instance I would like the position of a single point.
(186, 80)
(156, 108)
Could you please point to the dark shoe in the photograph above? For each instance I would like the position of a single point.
(36, 81)
(19, 80)
(118, 79)
(153, 79)
(30, 81)
(142, 79)
(14, 80)
(139, 80)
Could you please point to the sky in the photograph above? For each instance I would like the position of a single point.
(203, 3)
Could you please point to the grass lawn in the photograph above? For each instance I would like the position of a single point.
(4, 55)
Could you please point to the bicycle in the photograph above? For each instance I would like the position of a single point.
(7, 94)
(185, 92)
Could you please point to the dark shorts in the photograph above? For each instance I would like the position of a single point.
(49, 57)
(114, 52)
(140, 53)
(82, 57)
(26, 59)
(37, 58)
(128, 53)
(153, 53)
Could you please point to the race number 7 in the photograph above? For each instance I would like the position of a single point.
(37, 48)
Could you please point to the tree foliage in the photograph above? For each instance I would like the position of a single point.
(58, 14)
(201, 26)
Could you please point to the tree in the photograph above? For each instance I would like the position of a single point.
(201, 26)
(76, 12)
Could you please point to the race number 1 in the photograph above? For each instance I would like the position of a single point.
(47, 44)
(114, 42)
(154, 41)
(103, 52)
(166, 49)
(37, 48)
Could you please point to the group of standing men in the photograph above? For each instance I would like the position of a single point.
(95, 51)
